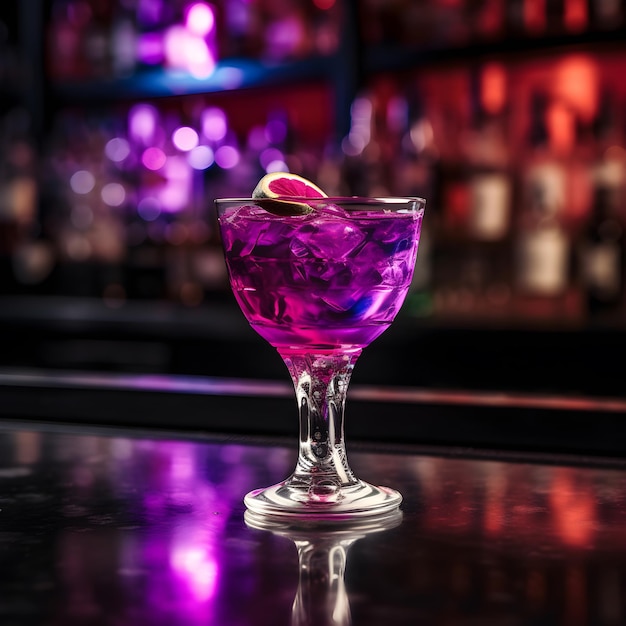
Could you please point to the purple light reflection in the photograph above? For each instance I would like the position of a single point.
(193, 560)
(175, 562)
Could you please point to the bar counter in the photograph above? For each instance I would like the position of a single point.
(102, 523)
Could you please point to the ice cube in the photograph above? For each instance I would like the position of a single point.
(254, 233)
(395, 274)
(333, 240)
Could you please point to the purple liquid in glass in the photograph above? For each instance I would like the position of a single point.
(328, 281)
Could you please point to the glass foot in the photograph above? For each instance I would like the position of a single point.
(323, 501)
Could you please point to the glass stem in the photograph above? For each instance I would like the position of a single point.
(321, 383)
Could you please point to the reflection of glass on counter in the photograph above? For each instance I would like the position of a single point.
(321, 598)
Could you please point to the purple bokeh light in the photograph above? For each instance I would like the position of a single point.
(214, 124)
(276, 130)
(186, 51)
(113, 194)
(153, 158)
(185, 138)
(201, 157)
(175, 195)
(142, 123)
(117, 149)
(150, 48)
(82, 182)
(149, 209)
(227, 157)
(269, 155)
(200, 19)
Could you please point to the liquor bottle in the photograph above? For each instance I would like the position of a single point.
(606, 14)
(514, 18)
(608, 163)
(602, 257)
(487, 154)
(535, 16)
(123, 42)
(487, 19)
(489, 187)
(542, 246)
(555, 15)
(575, 16)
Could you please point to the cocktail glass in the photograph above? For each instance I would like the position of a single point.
(320, 281)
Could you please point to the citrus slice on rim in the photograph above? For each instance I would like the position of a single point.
(274, 190)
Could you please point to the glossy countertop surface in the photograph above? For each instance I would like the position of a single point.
(131, 527)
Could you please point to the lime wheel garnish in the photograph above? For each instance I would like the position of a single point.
(275, 190)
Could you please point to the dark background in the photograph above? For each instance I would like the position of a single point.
(116, 313)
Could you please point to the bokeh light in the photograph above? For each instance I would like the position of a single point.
(200, 19)
(201, 158)
(227, 157)
(149, 209)
(142, 123)
(185, 51)
(82, 182)
(185, 138)
(113, 194)
(153, 158)
(214, 125)
(270, 155)
(117, 149)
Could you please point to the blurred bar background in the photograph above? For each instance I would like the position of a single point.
(122, 120)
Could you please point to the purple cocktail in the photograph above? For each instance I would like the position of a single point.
(320, 285)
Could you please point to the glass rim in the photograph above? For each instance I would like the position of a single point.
(350, 204)
(332, 199)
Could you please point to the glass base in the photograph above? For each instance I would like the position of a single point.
(288, 500)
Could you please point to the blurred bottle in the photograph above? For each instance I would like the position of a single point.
(18, 186)
(286, 31)
(542, 246)
(606, 14)
(123, 41)
(575, 16)
(490, 193)
(607, 166)
(555, 15)
(602, 257)
(65, 35)
(535, 16)
(96, 46)
(242, 34)
(487, 18)
(488, 158)
(514, 18)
